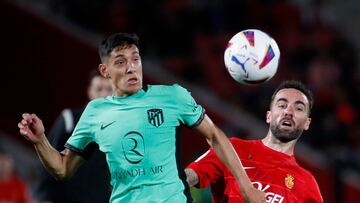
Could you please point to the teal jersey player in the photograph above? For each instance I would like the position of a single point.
(136, 129)
(138, 135)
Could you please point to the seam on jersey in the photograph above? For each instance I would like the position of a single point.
(199, 120)
(74, 149)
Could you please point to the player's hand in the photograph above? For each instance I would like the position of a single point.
(253, 195)
(32, 128)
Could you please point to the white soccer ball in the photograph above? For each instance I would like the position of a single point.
(252, 57)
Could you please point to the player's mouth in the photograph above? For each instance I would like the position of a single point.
(287, 123)
(133, 80)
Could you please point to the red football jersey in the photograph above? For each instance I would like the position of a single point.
(275, 173)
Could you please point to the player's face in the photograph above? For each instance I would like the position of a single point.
(99, 87)
(288, 116)
(124, 69)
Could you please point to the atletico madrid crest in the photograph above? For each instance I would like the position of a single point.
(289, 181)
(155, 117)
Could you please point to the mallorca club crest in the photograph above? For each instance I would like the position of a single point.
(289, 181)
(155, 117)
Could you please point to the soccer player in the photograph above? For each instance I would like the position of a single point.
(270, 162)
(136, 129)
(81, 188)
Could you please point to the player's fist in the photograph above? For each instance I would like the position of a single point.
(253, 195)
(32, 128)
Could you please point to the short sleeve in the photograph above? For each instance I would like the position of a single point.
(208, 167)
(83, 133)
(314, 194)
(191, 113)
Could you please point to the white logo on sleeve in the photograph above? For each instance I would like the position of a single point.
(270, 196)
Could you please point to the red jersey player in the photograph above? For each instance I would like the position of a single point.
(270, 162)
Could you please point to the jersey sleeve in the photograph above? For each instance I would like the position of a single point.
(83, 136)
(314, 192)
(208, 167)
(191, 113)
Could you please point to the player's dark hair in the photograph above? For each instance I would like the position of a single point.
(116, 40)
(298, 86)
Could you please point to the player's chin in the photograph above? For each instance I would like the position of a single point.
(133, 88)
(287, 136)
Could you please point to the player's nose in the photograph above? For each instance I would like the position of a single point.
(130, 67)
(289, 110)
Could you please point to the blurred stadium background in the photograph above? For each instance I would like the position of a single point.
(49, 46)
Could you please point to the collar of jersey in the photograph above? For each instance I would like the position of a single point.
(138, 94)
(274, 151)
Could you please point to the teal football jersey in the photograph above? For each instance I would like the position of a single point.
(138, 135)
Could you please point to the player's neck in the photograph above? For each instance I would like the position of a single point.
(275, 144)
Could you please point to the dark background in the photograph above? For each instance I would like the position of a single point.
(49, 46)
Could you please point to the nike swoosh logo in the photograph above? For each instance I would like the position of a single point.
(105, 126)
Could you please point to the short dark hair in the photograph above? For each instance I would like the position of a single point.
(298, 86)
(116, 40)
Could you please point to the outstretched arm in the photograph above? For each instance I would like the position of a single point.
(226, 153)
(62, 165)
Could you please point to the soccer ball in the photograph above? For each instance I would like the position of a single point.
(252, 57)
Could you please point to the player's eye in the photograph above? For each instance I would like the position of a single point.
(119, 62)
(136, 58)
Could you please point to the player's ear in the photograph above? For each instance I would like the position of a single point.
(307, 124)
(268, 115)
(103, 70)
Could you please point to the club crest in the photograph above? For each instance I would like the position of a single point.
(289, 181)
(155, 117)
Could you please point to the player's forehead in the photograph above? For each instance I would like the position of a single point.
(123, 51)
(291, 95)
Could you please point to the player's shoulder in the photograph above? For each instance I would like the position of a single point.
(307, 175)
(239, 142)
(98, 103)
(308, 180)
(172, 87)
(166, 89)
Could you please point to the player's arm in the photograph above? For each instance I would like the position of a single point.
(62, 165)
(47, 188)
(226, 153)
